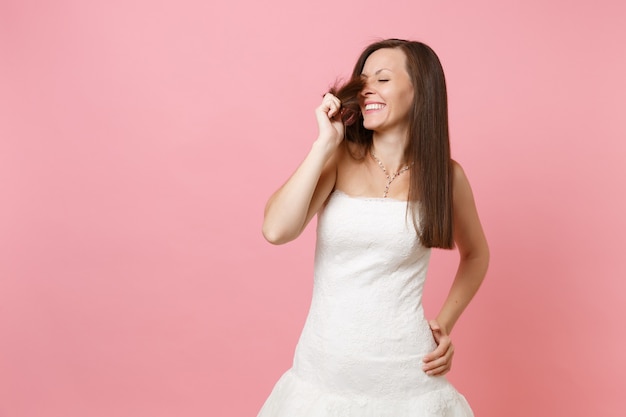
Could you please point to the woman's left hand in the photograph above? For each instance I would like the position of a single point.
(439, 361)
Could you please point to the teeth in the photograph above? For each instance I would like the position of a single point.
(374, 106)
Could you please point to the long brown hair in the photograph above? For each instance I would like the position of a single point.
(430, 187)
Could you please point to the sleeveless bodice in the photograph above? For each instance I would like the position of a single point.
(370, 270)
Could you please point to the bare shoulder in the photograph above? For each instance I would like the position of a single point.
(350, 160)
(468, 233)
(462, 195)
(457, 171)
(460, 182)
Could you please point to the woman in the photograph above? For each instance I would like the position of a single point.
(384, 196)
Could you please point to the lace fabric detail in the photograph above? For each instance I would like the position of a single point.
(360, 351)
(293, 397)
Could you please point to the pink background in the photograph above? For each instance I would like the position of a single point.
(139, 141)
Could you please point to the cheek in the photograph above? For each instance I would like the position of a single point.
(405, 102)
(408, 100)
(408, 95)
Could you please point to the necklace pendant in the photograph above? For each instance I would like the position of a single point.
(389, 178)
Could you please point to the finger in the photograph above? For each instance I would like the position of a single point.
(434, 325)
(334, 106)
(329, 98)
(331, 102)
(434, 364)
(437, 365)
(441, 370)
(446, 358)
(439, 351)
(334, 109)
(436, 330)
(327, 109)
(438, 360)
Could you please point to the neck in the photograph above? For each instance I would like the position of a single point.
(390, 150)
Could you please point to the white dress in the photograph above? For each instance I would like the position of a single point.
(361, 349)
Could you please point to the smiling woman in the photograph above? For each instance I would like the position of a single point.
(388, 93)
(367, 349)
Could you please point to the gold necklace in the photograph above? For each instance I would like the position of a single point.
(390, 178)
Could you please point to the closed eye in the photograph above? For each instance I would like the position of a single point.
(383, 81)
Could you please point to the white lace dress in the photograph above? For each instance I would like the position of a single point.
(361, 349)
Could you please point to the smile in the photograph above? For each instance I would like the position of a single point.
(374, 106)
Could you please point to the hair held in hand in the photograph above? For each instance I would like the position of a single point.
(348, 94)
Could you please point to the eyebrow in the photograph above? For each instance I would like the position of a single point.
(377, 72)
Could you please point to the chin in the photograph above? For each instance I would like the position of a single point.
(369, 126)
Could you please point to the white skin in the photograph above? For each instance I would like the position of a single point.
(385, 102)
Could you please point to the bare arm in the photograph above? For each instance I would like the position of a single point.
(474, 259)
(473, 250)
(290, 209)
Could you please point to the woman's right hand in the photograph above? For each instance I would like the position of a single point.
(331, 128)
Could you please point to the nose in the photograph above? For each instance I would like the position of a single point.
(367, 89)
